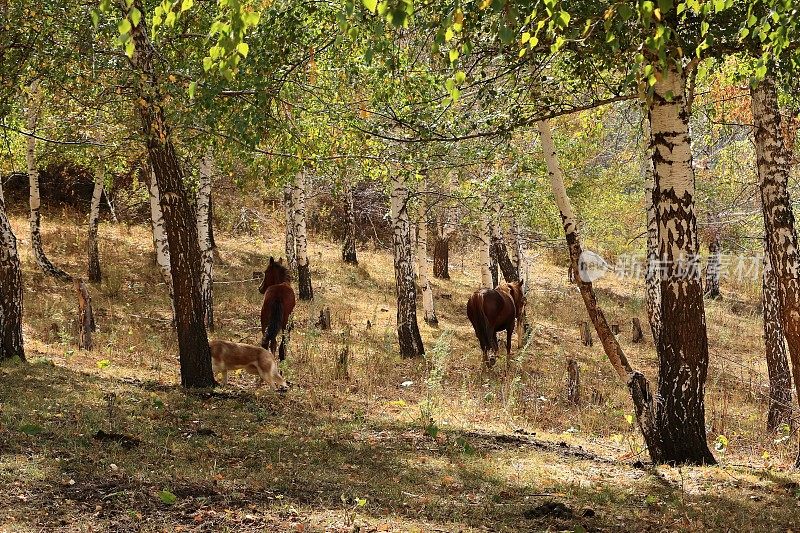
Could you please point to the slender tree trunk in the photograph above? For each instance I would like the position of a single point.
(484, 235)
(160, 244)
(780, 380)
(305, 289)
(441, 256)
(95, 274)
(349, 245)
(11, 344)
(773, 163)
(682, 345)
(408, 334)
(652, 272)
(714, 266)
(179, 218)
(422, 265)
(499, 248)
(204, 236)
(291, 245)
(637, 383)
(34, 104)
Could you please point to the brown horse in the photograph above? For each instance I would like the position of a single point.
(279, 301)
(495, 310)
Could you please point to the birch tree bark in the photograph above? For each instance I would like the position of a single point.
(714, 266)
(179, 219)
(441, 251)
(780, 381)
(349, 245)
(408, 335)
(204, 236)
(95, 274)
(637, 384)
(682, 345)
(518, 258)
(422, 264)
(291, 245)
(305, 289)
(773, 162)
(160, 244)
(11, 343)
(34, 105)
(485, 254)
(652, 277)
(499, 248)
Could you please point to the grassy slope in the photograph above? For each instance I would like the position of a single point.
(501, 443)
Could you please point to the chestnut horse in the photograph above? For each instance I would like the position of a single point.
(495, 310)
(279, 301)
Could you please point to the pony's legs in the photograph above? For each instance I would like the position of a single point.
(509, 333)
(224, 378)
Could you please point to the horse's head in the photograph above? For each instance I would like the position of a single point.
(275, 273)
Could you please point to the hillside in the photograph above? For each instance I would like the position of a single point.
(459, 448)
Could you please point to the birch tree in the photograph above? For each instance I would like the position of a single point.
(11, 343)
(204, 235)
(290, 245)
(349, 244)
(780, 380)
(652, 282)
(498, 244)
(408, 335)
(95, 274)
(305, 289)
(484, 236)
(33, 110)
(773, 164)
(160, 244)
(422, 264)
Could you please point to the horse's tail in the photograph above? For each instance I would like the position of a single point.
(274, 324)
(480, 322)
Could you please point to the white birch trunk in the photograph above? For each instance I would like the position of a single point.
(95, 274)
(34, 105)
(774, 164)
(204, 237)
(683, 343)
(422, 264)
(484, 236)
(291, 245)
(160, 244)
(408, 334)
(306, 291)
(652, 279)
(11, 293)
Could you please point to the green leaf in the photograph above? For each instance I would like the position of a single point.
(371, 5)
(192, 88)
(129, 49)
(625, 11)
(460, 76)
(703, 28)
(124, 26)
(95, 18)
(128, 3)
(135, 15)
(187, 5)
(243, 49)
(453, 54)
(525, 37)
(563, 19)
(167, 497)
(105, 363)
(207, 63)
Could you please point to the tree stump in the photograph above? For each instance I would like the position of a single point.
(573, 382)
(86, 323)
(638, 335)
(324, 322)
(615, 329)
(586, 334)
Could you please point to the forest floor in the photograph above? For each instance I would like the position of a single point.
(381, 444)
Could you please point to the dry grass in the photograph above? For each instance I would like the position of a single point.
(453, 451)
